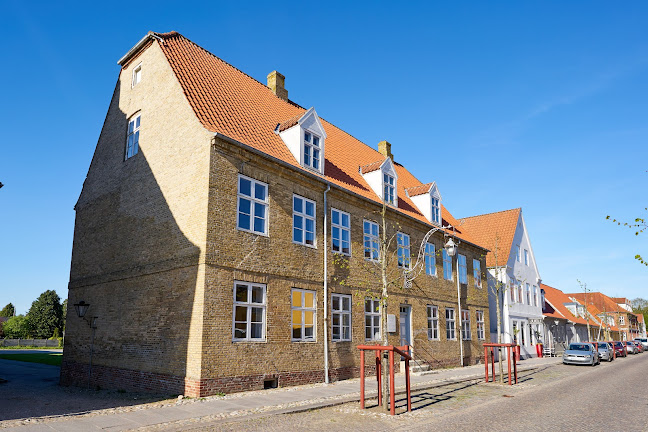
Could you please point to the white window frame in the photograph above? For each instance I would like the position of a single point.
(253, 205)
(341, 312)
(451, 331)
(403, 250)
(429, 255)
(433, 322)
(447, 261)
(249, 305)
(342, 229)
(528, 294)
(389, 188)
(303, 309)
(477, 273)
(463, 269)
(372, 239)
(479, 316)
(310, 146)
(513, 290)
(465, 325)
(526, 256)
(621, 320)
(372, 314)
(517, 253)
(436, 210)
(137, 75)
(535, 295)
(133, 148)
(520, 298)
(305, 218)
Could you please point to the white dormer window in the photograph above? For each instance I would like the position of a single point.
(389, 188)
(427, 200)
(436, 211)
(311, 151)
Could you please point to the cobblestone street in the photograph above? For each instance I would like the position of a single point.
(608, 396)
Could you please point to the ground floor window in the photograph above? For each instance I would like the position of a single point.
(480, 325)
(450, 324)
(303, 315)
(341, 317)
(433, 322)
(249, 312)
(372, 319)
(465, 325)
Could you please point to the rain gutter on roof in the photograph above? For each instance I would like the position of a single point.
(131, 52)
(321, 179)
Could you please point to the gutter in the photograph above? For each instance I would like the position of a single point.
(131, 52)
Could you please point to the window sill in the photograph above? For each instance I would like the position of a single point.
(252, 232)
(304, 244)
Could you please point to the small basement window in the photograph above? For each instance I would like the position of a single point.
(270, 383)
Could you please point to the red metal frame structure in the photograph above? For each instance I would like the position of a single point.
(489, 354)
(378, 349)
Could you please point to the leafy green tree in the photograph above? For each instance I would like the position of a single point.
(639, 225)
(640, 306)
(64, 307)
(8, 311)
(16, 327)
(45, 315)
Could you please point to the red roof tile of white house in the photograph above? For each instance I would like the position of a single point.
(494, 231)
(558, 299)
(229, 102)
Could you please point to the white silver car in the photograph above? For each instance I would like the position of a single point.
(605, 351)
(642, 341)
(581, 353)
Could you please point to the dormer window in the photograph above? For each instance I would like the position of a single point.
(436, 211)
(389, 194)
(311, 151)
(427, 199)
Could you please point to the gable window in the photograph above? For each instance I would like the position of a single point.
(447, 265)
(512, 290)
(341, 317)
(480, 325)
(430, 259)
(389, 185)
(252, 206)
(371, 240)
(463, 269)
(433, 322)
(517, 253)
(311, 151)
(303, 315)
(528, 294)
(249, 312)
(132, 142)
(303, 221)
(403, 245)
(477, 273)
(520, 299)
(436, 211)
(137, 75)
(450, 324)
(535, 295)
(340, 232)
(526, 257)
(372, 319)
(465, 325)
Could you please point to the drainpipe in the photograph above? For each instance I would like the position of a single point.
(326, 354)
(461, 341)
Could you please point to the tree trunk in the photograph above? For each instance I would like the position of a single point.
(499, 330)
(383, 311)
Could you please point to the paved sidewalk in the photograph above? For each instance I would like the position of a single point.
(283, 400)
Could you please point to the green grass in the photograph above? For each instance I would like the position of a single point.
(53, 359)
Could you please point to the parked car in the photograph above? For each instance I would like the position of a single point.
(643, 341)
(620, 349)
(631, 347)
(605, 351)
(581, 353)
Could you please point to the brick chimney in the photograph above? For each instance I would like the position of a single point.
(276, 82)
(384, 148)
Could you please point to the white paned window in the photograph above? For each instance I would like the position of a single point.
(312, 151)
(436, 211)
(252, 205)
(389, 184)
(450, 324)
(132, 142)
(621, 320)
(512, 291)
(477, 273)
(526, 257)
(341, 317)
(303, 221)
(403, 246)
(447, 265)
(303, 315)
(517, 253)
(340, 232)
(249, 312)
(480, 325)
(463, 269)
(465, 325)
(528, 294)
(430, 259)
(433, 322)
(535, 295)
(371, 241)
(520, 299)
(137, 75)
(372, 319)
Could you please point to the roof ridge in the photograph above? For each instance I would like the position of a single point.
(492, 213)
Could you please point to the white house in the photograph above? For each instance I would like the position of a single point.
(512, 266)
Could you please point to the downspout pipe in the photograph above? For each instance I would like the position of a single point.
(326, 301)
(460, 315)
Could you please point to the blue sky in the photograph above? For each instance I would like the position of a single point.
(539, 105)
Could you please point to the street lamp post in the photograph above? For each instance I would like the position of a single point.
(451, 249)
(81, 309)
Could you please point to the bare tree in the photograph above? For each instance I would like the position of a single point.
(498, 289)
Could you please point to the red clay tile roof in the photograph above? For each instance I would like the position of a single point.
(419, 190)
(371, 167)
(486, 228)
(600, 300)
(558, 299)
(289, 123)
(230, 102)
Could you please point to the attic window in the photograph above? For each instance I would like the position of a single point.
(311, 150)
(388, 183)
(436, 218)
(137, 75)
